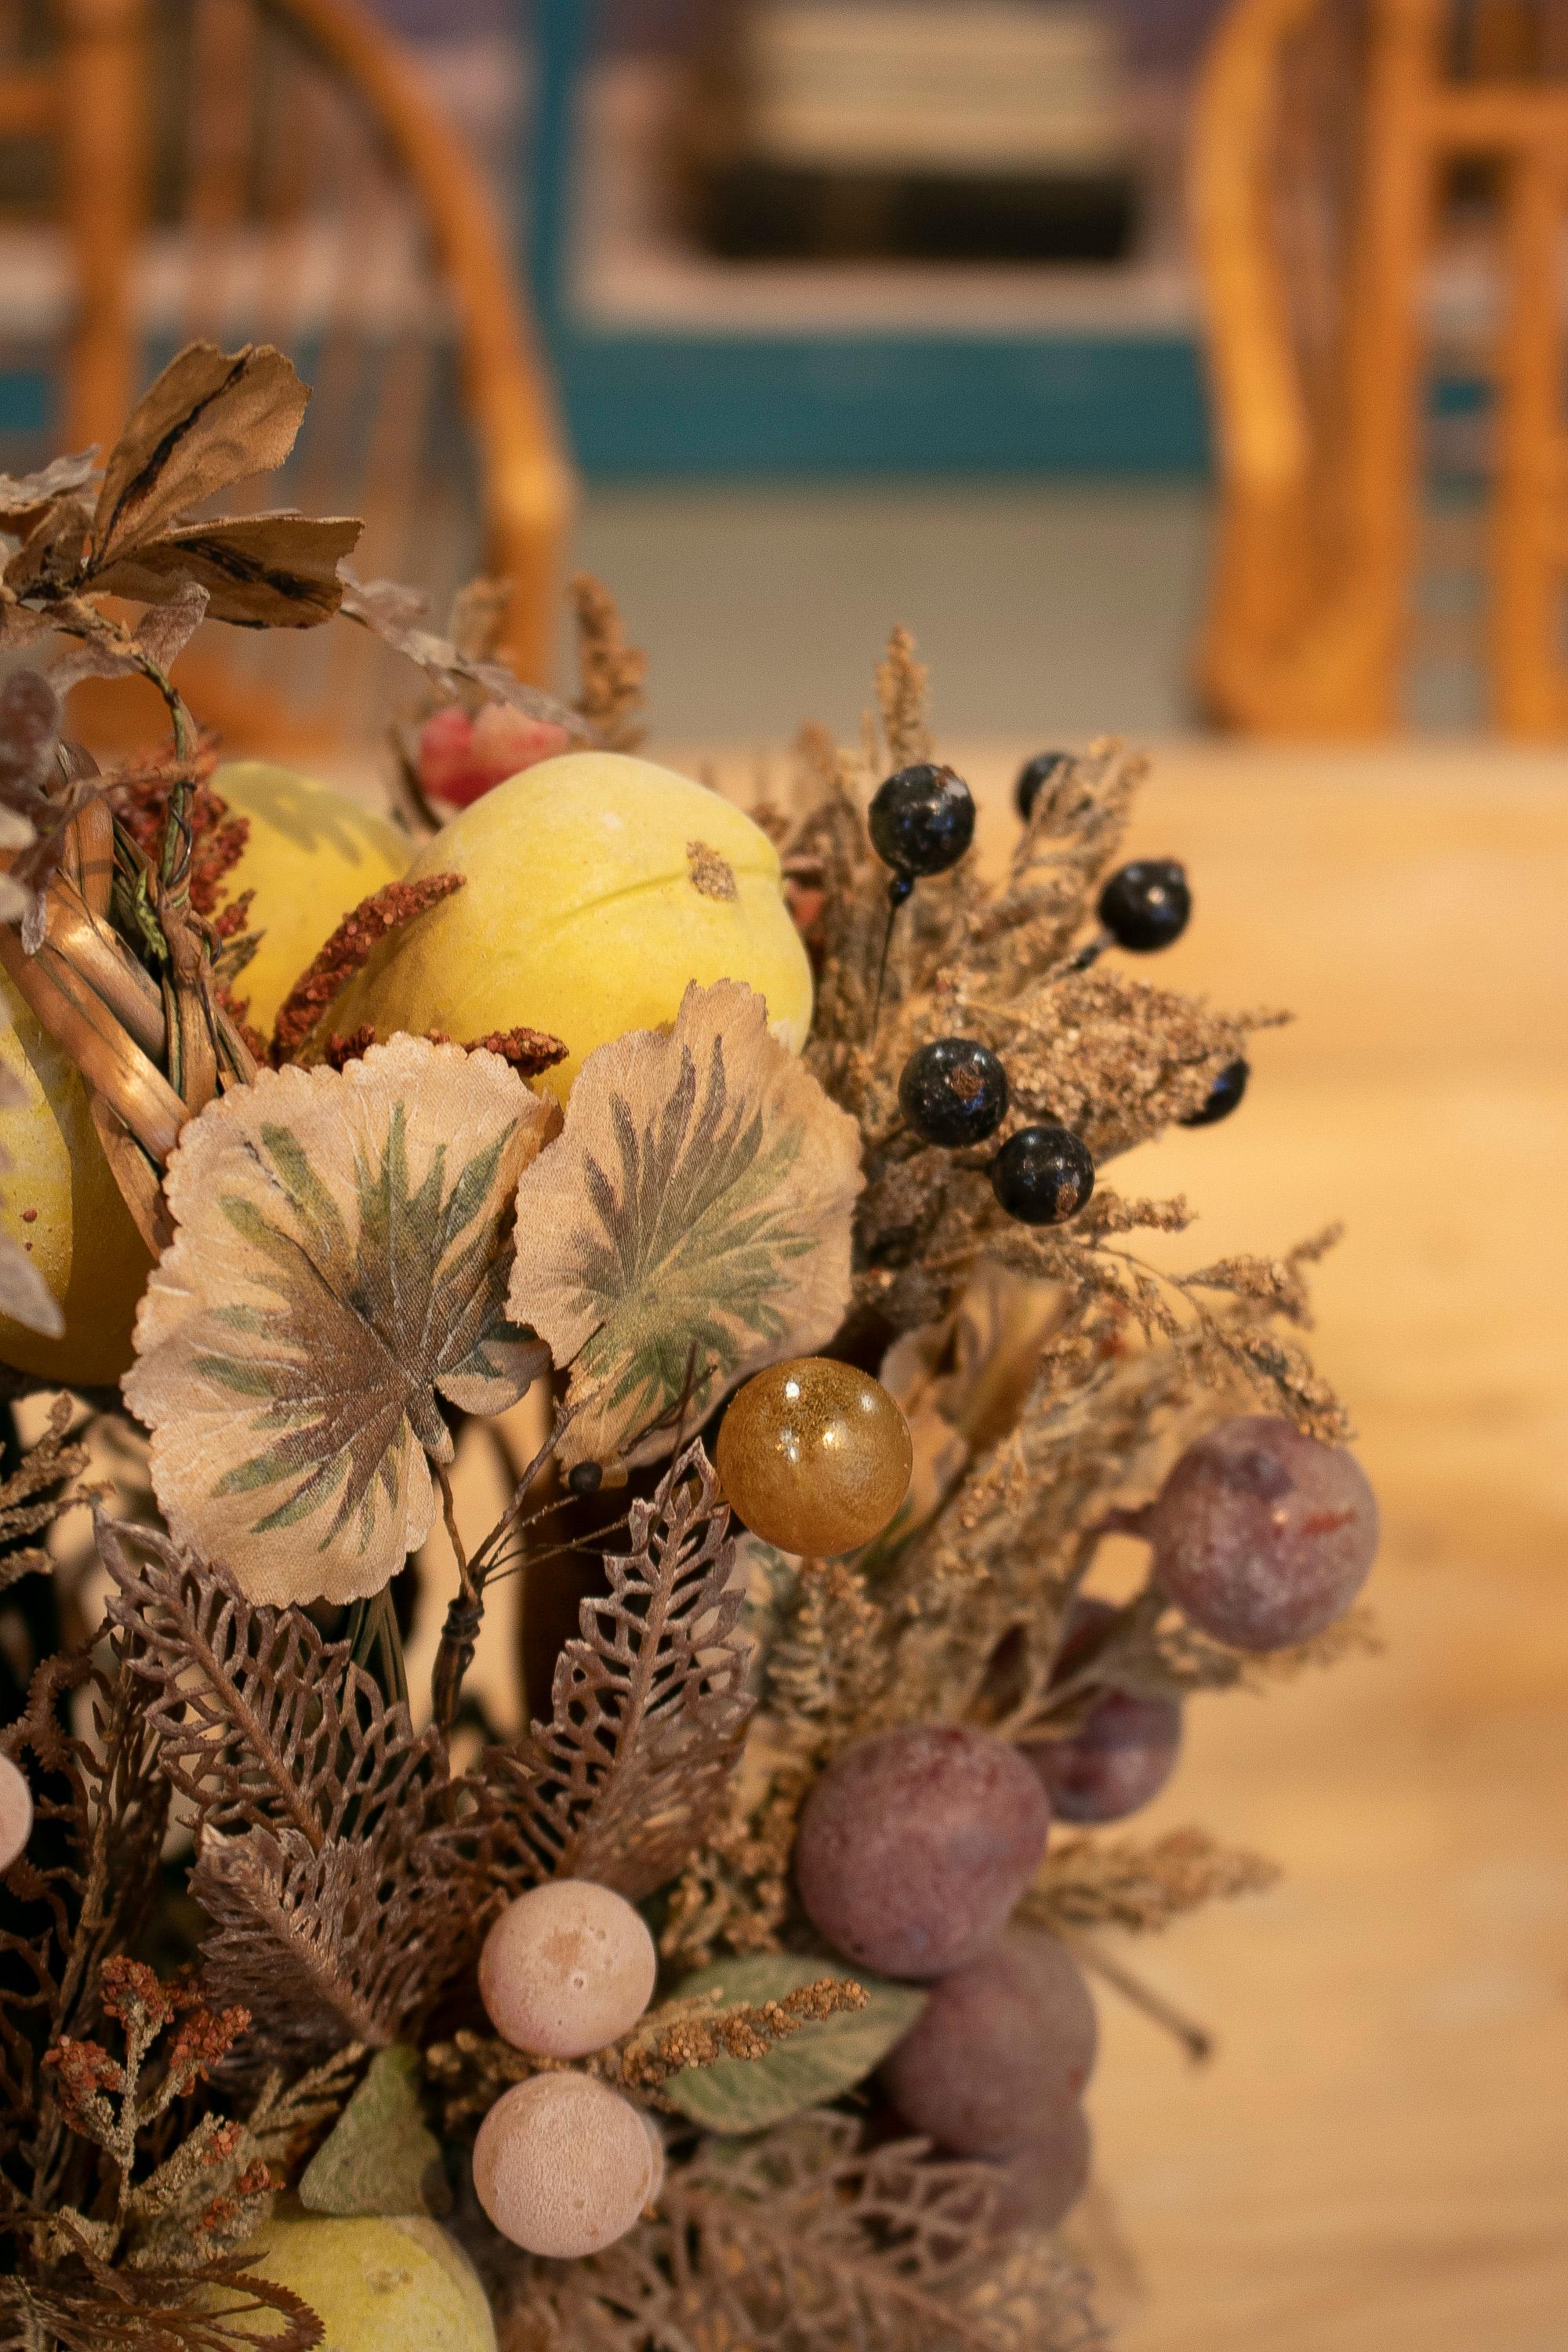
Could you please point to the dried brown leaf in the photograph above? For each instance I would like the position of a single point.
(277, 571)
(691, 1224)
(159, 637)
(395, 615)
(30, 740)
(343, 1944)
(340, 1260)
(259, 1722)
(52, 556)
(21, 494)
(649, 1709)
(211, 419)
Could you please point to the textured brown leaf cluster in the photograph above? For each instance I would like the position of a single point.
(650, 1709)
(319, 1815)
(804, 2237)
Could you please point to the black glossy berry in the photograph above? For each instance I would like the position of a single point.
(953, 1093)
(1042, 769)
(586, 1477)
(1043, 1175)
(1223, 1096)
(1145, 906)
(922, 820)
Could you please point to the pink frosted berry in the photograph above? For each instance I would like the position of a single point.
(15, 1812)
(461, 756)
(563, 2165)
(566, 1968)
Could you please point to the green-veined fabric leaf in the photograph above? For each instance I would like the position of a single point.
(814, 2065)
(381, 2155)
(691, 1224)
(343, 1245)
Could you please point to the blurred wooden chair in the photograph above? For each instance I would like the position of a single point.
(272, 170)
(1329, 137)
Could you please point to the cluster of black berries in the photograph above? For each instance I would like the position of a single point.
(1144, 906)
(953, 1093)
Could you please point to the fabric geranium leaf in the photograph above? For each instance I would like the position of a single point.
(342, 1242)
(691, 1223)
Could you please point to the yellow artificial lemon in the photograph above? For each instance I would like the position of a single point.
(378, 2285)
(310, 856)
(59, 1200)
(596, 887)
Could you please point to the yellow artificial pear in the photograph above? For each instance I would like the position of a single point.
(596, 888)
(59, 1201)
(310, 856)
(376, 2285)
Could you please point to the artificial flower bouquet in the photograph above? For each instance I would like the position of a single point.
(743, 1998)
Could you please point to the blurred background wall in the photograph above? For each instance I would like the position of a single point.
(856, 308)
(797, 415)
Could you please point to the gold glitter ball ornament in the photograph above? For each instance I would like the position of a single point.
(815, 1457)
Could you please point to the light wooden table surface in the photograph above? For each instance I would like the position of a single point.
(1377, 2159)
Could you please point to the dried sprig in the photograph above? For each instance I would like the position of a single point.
(697, 2032)
(473, 2069)
(111, 2101)
(612, 670)
(39, 1491)
(82, 1891)
(225, 2308)
(735, 1890)
(903, 697)
(1121, 1882)
(347, 952)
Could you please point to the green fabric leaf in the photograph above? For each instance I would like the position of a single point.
(817, 2065)
(380, 2157)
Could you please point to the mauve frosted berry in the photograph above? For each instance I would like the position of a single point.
(1263, 1537)
(1122, 1752)
(1117, 1760)
(1043, 2182)
(915, 1844)
(1002, 2049)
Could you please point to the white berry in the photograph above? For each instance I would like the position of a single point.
(15, 1812)
(563, 2165)
(566, 1968)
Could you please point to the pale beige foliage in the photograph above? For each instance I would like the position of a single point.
(692, 1224)
(341, 1256)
